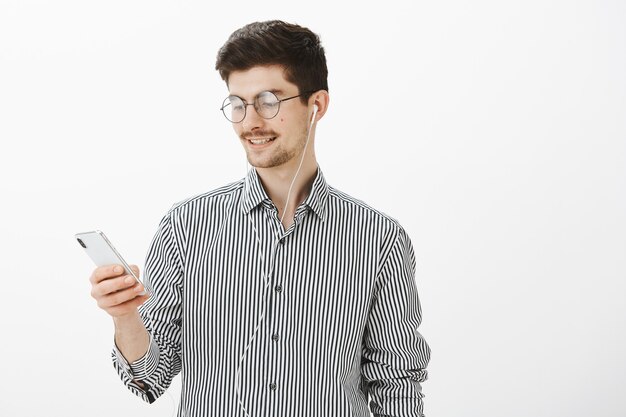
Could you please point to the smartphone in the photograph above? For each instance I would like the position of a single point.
(102, 252)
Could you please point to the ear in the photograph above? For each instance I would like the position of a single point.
(320, 99)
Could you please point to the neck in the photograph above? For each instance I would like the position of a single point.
(276, 182)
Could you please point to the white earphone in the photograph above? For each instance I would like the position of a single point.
(315, 108)
(267, 275)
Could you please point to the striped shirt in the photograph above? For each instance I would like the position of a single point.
(317, 320)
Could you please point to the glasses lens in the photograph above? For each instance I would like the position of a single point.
(267, 105)
(234, 109)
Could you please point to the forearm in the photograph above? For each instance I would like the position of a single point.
(147, 356)
(147, 372)
(131, 336)
(395, 353)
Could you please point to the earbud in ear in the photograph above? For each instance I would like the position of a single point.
(315, 108)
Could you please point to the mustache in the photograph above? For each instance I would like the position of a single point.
(258, 134)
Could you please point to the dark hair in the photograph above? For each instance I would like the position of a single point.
(275, 42)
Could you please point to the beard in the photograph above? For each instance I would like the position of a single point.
(280, 151)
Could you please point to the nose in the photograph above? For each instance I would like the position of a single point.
(252, 120)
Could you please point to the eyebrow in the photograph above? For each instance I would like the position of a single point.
(276, 91)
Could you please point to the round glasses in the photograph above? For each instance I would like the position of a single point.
(266, 104)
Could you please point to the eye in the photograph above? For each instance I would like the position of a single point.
(269, 104)
(267, 100)
(234, 109)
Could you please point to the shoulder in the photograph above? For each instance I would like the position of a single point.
(345, 205)
(207, 200)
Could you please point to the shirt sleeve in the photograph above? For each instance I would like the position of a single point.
(395, 354)
(151, 375)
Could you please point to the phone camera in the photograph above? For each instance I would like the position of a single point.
(81, 243)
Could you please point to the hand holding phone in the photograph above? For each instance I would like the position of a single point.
(115, 285)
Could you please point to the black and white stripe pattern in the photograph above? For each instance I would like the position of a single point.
(333, 297)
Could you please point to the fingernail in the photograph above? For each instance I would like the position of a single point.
(118, 269)
(128, 280)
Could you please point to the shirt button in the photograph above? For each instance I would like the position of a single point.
(273, 386)
(278, 288)
(282, 241)
(275, 337)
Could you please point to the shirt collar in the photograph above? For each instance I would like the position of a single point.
(254, 194)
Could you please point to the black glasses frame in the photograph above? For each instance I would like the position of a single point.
(255, 103)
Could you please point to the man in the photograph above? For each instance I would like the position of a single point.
(278, 294)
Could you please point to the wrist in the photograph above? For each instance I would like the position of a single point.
(128, 318)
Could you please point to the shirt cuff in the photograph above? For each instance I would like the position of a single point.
(142, 367)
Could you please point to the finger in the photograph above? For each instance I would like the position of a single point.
(119, 297)
(105, 272)
(135, 269)
(112, 285)
(128, 306)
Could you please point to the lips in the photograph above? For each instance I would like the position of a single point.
(260, 141)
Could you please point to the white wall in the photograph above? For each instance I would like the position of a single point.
(494, 131)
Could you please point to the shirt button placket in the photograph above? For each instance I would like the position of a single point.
(274, 338)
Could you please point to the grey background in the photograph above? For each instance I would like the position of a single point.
(494, 131)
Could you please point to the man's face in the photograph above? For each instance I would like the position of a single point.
(287, 131)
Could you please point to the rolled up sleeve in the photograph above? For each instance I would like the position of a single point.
(395, 354)
(151, 375)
